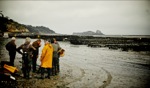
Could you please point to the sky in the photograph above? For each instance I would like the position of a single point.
(111, 17)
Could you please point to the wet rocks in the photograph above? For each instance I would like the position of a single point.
(123, 43)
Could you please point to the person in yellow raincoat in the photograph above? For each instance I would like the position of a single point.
(46, 59)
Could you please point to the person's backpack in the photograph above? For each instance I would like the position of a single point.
(7, 46)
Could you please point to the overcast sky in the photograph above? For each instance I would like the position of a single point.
(110, 17)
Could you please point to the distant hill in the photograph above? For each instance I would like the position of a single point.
(88, 33)
(39, 29)
(9, 25)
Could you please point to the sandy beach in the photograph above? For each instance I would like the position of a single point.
(86, 67)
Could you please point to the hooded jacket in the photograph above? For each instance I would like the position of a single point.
(46, 56)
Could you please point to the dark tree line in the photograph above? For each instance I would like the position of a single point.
(3, 23)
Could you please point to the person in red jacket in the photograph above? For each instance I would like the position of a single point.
(36, 44)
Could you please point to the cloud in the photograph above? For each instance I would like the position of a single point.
(111, 17)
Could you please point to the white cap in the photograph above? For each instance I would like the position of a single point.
(28, 39)
(13, 38)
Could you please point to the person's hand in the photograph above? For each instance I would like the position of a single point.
(40, 44)
(41, 59)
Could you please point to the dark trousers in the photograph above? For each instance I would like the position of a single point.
(12, 57)
(55, 68)
(26, 66)
(34, 59)
(58, 68)
(43, 71)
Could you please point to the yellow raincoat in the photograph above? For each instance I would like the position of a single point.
(46, 57)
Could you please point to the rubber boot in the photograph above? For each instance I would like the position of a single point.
(42, 73)
(48, 73)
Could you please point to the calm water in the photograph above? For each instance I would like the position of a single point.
(85, 65)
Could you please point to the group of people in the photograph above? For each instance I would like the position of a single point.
(30, 52)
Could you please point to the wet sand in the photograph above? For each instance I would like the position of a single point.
(86, 67)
